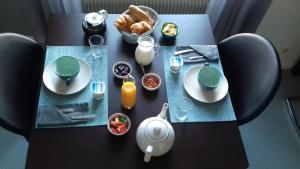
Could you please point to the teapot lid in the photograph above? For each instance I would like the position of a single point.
(157, 130)
(93, 18)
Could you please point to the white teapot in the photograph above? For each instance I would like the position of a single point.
(155, 135)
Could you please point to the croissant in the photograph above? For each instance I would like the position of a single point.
(136, 28)
(124, 22)
(146, 26)
(129, 19)
(140, 15)
(140, 27)
(136, 21)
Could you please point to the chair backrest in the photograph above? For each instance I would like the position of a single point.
(21, 64)
(252, 66)
(160, 6)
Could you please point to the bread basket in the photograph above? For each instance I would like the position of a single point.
(131, 38)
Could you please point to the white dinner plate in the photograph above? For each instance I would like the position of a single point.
(57, 85)
(192, 87)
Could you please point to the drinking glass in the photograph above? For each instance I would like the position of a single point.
(183, 106)
(96, 42)
(128, 92)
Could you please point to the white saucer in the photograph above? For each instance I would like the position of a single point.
(192, 87)
(57, 85)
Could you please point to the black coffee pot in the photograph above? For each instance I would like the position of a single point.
(94, 23)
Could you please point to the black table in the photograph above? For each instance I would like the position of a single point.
(197, 145)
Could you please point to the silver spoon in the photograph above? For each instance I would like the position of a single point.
(143, 70)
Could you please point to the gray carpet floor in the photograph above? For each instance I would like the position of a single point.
(271, 140)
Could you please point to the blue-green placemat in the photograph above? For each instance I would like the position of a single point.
(202, 112)
(97, 107)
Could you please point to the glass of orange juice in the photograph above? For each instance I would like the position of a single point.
(128, 92)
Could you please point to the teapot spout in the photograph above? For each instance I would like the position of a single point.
(163, 112)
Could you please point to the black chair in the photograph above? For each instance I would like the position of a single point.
(21, 65)
(252, 66)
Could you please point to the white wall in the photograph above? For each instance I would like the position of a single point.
(281, 25)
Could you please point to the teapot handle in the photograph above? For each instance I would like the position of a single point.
(148, 153)
(163, 112)
(103, 13)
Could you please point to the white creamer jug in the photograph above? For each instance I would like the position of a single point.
(146, 50)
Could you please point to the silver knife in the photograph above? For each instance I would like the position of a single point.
(67, 110)
(193, 59)
(83, 117)
(183, 51)
(193, 49)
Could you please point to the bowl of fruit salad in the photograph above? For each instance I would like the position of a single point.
(118, 124)
(169, 30)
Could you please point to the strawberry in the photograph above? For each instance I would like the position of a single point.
(113, 130)
(114, 124)
(122, 127)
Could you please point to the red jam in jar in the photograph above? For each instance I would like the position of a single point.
(151, 81)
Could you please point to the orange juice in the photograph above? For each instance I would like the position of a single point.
(128, 95)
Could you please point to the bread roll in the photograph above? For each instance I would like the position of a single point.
(140, 15)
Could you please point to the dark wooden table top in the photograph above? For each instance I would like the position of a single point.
(197, 145)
